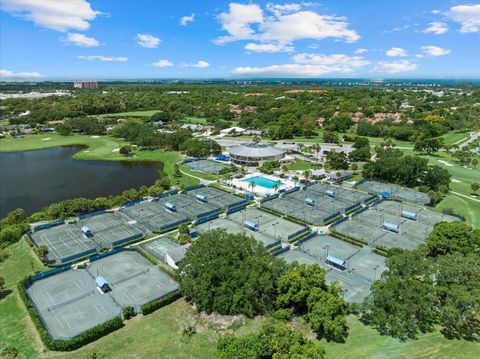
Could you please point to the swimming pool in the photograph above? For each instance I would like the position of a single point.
(263, 182)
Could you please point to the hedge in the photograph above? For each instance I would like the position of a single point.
(153, 306)
(382, 251)
(355, 242)
(297, 221)
(84, 338)
(334, 219)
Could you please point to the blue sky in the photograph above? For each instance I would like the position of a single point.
(134, 39)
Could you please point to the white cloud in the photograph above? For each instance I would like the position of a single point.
(199, 64)
(184, 21)
(103, 58)
(435, 51)
(467, 15)
(148, 41)
(279, 10)
(396, 52)
(395, 66)
(280, 47)
(21, 75)
(339, 61)
(81, 40)
(162, 63)
(436, 28)
(287, 25)
(361, 51)
(307, 65)
(59, 15)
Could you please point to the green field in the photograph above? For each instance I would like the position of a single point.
(300, 165)
(104, 148)
(146, 113)
(462, 179)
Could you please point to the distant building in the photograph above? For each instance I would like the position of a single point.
(85, 84)
(192, 126)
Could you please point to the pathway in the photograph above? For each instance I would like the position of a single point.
(465, 196)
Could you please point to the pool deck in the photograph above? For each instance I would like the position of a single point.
(244, 184)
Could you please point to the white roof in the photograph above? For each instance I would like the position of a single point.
(230, 129)
(256, 150)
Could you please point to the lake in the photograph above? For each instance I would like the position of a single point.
(34, 179)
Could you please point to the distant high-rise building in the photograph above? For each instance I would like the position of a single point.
(85, 84)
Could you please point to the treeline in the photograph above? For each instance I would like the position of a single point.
(435, 285)
(145, 135)
(392, 165)
(281, 112)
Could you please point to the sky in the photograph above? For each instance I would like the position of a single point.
(154, 39)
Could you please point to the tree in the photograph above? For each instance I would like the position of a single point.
(475, 187)
(449, 237)
(229, 274)
(42, 252)
(327, 314)
(474, 162)
(403, 303)
(275, 340)
(126, 150)
(428, 145)
(337, 160)
(2, 284)
(354, 167)
(330, 137)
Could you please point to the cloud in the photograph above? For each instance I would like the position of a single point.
(436, 28)
(162, 63)
(339, 61)
(288, 24)
(184, 21)
(435, 51)
(361, 51)
(81, 40)
(103, 58)
(395, 66)
(199, 64)
(279, 10)
(467, 15)
(396, 52)
(307, 65)
(21, 75)
(253, 47)
(148, 41)
(59, 15)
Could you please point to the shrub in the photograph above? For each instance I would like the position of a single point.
(153, 306)
(128, 312)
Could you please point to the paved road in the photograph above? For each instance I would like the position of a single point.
(473, 137)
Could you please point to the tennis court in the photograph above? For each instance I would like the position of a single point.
(159, 247)
(361, 266)
(188, 206)
(369, 225)
(395, 192)
(133, 279)
(215, 196)
(325, 201)
(153, 216)
(65, 243)
(271, 230)
(111, 229)
(69, 303)
(207, 166)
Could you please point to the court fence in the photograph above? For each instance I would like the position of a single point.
(42, 275)
(106, 254)
(282, 250)
(91, 214)
(306, 238)
(48, 225)
(128, 239)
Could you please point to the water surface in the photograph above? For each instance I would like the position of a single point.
(34, 179)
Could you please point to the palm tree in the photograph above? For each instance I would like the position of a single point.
(317, 149)
(275, 188)
(252, 186)
(307, 174)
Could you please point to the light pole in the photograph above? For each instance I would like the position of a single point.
(344, 291)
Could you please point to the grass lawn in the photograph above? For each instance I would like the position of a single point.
(146, 113)
(14, 330)
(195, 120)
(452, 137)
(364, 342)
(99, 148)
(462, 179)
(300, 165)
(205, 176)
